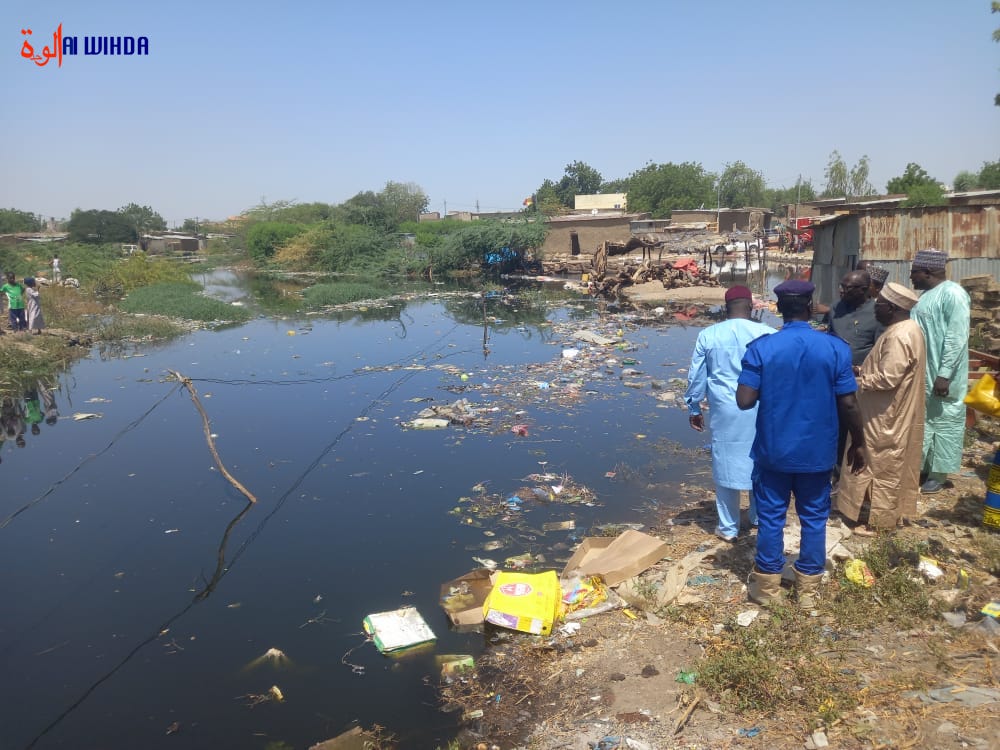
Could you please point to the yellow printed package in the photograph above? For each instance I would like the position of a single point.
(528, 602)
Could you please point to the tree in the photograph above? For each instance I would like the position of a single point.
(989, 176)
(858, 183)
(965, 180)
(13, 220)
(96, 226)
(913, 176)
(836, 177)
(615, 186)
(401, 202)
(142, 219)
(842, 181)
(740, 186)
(386, 210)
(661, 188)
(578, 179)
(547, 199)
(924, 194)
(778, 198)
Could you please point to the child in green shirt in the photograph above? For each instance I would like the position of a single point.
(15, 302)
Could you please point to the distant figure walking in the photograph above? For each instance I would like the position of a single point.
(56, 271)
(15, 303)
(33, 304)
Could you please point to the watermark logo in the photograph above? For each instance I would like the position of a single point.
(63, 45)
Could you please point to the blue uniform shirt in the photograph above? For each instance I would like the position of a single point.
(798, 374)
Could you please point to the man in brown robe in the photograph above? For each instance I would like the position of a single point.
(891, 399)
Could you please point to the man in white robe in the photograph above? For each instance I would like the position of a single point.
(715, 368)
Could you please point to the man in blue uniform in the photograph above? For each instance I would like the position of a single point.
(715, 368)
(802, 380)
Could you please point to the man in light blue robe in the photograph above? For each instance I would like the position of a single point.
(715, 368)
(943, 316)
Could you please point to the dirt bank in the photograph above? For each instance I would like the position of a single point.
(908, 663)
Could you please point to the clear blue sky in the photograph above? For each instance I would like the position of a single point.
(316, 101)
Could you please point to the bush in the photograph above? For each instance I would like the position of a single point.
(264, 238)
(140, 270)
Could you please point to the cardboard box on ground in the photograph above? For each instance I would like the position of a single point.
(533, 602)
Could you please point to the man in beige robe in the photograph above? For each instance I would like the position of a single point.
(891, 398)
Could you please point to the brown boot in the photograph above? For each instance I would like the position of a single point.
(807, 588)
(764, 588)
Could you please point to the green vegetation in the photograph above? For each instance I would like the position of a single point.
(792, 659)
(127, 224)
(12, 220)
(843, 181)
(340, 293)
(181, 300)
(264, 238)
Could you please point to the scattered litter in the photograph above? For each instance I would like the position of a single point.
(992, 609)
(819, 739)
(929, 567)
(520, 429)
(454, 665)
(171, 531)
(968, 695)
(427, 424)
(98, 400)
(559, 525)
(487, 563)
(751, 732)
(81, 415)
(858, 573)
(462, 599)
(273, 657)
(745, 618)
(702, 580)
(591, 337)
(687, 677)
(955, 619)
(527, 602)
(570, 628)
(398, 630)
(570, 353)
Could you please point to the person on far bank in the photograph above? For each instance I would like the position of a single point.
(15, 303)
(715, 368)
(802, 380)
(943, 314)
(891, 398)
(33, 306)
(56, 270)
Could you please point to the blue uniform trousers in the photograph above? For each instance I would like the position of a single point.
(772, 491)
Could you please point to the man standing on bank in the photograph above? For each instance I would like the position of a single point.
(853, 320)
(715, 368)
(943, 315)
(803, 381)
(891, 398)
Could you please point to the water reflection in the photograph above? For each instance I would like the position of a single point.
(20, 414)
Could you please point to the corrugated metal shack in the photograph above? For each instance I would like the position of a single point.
(880, 231)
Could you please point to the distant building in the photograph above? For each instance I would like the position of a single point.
(730, 219)
(590, 229)
(600, 202)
